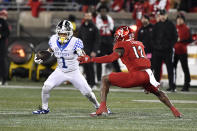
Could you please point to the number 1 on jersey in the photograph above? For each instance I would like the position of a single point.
(63, 62)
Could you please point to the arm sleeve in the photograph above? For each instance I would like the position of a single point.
(106, 59)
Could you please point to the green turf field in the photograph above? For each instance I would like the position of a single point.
(69, 110)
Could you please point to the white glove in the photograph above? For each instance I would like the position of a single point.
(80, 52)
(38, 61)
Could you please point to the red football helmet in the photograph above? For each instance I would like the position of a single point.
(123, 33)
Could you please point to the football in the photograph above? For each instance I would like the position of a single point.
(43, 55)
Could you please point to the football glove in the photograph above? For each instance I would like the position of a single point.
(80, 52)
(38, 61)
(84, 59)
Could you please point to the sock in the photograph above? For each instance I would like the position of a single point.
(45, 97)
(175, 112)
(102, 108)
(172, 108)
(103, 104)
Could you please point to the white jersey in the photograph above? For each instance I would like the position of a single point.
(65, 54)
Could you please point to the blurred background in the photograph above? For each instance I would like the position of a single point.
(32, 22)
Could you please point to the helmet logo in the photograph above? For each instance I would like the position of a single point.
(123, 33)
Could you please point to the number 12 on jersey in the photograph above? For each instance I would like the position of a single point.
(138, 52)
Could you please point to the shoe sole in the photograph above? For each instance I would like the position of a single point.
(95, 115)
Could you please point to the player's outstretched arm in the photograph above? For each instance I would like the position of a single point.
(103, 59)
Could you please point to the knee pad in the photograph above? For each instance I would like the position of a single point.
(46, 89)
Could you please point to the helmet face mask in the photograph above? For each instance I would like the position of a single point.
(64, 30)
(123, 33)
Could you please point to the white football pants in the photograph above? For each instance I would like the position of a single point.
(74, 77)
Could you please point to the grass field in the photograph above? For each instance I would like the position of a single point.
(69, 110)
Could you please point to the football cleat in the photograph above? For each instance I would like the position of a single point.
(102, 114)
(41, 111)
(109, 111)
(93, 114)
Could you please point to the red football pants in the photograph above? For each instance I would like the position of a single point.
(132, 79)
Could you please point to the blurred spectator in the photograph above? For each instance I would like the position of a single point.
(153, 19)
(93, 11)
(140, 8)
(88, 4)
(105, 24)
(164, 38)
(35, 7)
(4, 33)
(117, 5)
(104, 2)
(89, 34)
(184, 38)
(156, 5)
(174, 4)
(188, 5)
(145, 35)
(94, 14)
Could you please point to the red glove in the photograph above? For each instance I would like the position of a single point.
(84, 59)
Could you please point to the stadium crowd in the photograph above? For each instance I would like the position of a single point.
(151, 17)
(120, 5)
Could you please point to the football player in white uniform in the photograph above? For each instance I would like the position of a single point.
(66, 49)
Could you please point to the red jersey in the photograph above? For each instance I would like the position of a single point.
(184, 35)
(134, 55)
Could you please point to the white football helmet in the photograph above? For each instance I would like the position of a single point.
(66, 27)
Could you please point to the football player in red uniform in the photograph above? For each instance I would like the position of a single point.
(139, 73)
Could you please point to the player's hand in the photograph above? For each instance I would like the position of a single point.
(38, 61)
(84, 59)
(93, 54)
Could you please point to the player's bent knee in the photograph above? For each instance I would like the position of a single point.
(46, 89)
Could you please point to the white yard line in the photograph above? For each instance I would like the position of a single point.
(173, 101)
(72, 88)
